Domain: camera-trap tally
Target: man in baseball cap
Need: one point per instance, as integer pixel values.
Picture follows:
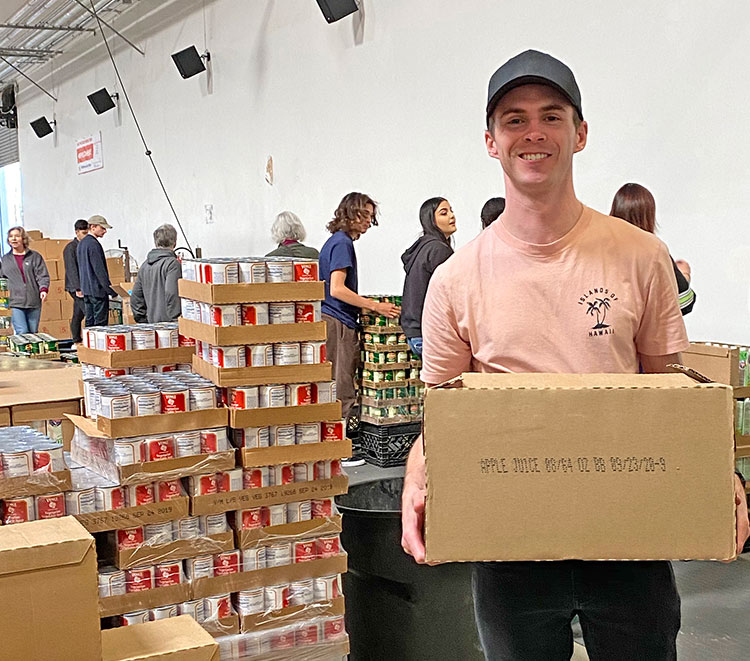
(545, 255)
(94, 277)
(101, 221)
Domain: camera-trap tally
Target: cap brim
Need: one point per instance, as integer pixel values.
(526, 80)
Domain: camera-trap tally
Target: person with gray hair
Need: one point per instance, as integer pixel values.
(288, 231)
(155, 296)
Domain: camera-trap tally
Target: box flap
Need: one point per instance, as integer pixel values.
(40, 544)
(479, 380)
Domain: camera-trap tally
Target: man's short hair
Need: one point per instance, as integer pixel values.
(165, 236)
(81, 224)
(491, 211)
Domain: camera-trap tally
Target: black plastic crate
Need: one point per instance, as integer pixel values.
(387, 445)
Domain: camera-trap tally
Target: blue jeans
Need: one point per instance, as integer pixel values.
(25, 320)
(415, 344)
(627, 610)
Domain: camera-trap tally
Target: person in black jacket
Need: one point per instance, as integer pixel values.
(635, 204)
(420, 261)
(73, 280)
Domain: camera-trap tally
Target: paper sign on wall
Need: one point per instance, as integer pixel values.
(89, 153)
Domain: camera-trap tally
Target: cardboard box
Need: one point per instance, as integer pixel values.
(35, 235)
(54, 248)
(5, 416)
(35, 484)
(52, 268)
(44, 389)
(587, 466)
(257, 376)
(136, 601)
(115, 269)
(46, 566)
(66, 308)
(266, 292)
(51, 311)
(288, 532)
(293, 454)
(720, 363)
(57, 329)
(40, 246)
(162, 423)
(135, 358)
(153, 554)
(287, 493)
(264, 334)
(280, 415)
(138, 515)
(290, 615)
(57, 291)
(174, 639)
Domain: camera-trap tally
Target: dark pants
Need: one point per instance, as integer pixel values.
(97, 310)
(79, 313)
(629, 611)
(342, 349)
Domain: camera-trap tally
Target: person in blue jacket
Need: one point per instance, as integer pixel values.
(92, 269)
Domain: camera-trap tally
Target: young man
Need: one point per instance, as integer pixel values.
(340, 309)
(155, 296)
(73, 280)
(92, 270)
(509, 301)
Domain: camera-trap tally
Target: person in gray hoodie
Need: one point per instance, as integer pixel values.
(155, 296)
(28, 281)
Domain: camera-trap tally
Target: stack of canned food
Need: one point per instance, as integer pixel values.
(263, 355)
(32, 344)
(251, 314)
(24, 451)
(288, 434)
(278, 395)
(367, 318)
(146, 394)
(233, 270)
(132, 338)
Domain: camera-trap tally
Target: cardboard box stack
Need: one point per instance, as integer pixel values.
(390, 390)
(6, 328)
(260, 339)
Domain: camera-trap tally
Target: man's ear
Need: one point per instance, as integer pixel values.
(489, 141)
(582, 133)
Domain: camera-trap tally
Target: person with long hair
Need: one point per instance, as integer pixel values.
(635, 204)
(420, 261)
(28, 281)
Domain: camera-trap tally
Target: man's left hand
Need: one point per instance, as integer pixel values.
(743, 523)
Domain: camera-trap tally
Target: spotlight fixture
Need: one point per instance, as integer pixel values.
(333, 10)
(42, 127)
(102, 101)
(189, 62)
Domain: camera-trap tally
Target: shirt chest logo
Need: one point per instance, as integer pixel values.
(597, 303)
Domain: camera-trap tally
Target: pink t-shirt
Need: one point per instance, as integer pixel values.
(590, 302)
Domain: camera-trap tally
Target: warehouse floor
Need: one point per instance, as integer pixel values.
(715, 599)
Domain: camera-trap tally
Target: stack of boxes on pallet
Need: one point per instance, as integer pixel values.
(259, 338)
(5, 326)
(390, 390)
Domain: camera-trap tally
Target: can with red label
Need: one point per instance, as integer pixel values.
(164, 369)
(274, 515)
(202, 396)
(253, 559)
(333, 431)
(279, 554)
(129, 538)
(327, 547)
(201, 566)
(324, 508)
(248, 519)
(229, 357)
(167, 337)
(307, 432)
(111, 582)
(158, 533)
(189, 527)
(301, 592)
(213, 524)
(118, 340)
(299, 394)
(281, 474)
(304, 550)
(194, 608)
(203, 485)
(307, 312)
(336, 468)
(217, 607)
(252, 437)
(252, 270)
(327, 588)
(323, 470)
(226, 563)
(219, 272)
(281, 313)
(282, 639)
(184, 341)
(110, 498)
(250, 602)
(143, 338)
(282, 435)
(333, 628)
(146, 400)
(286, 353)
(276, 597)
(141, 494)
(272, 396)
(256, 477)
(175, 399)
(255, 314)
(169, 573)
(304, 472)
(48, 460)
(80, 501)
(306, 271)
(324, 392)
(307, 634)
(136, 617)
(299, 511)
(225, 315)
(168, 490)
(214, 440)
(259, 355)
(163, 612)
(159, 448)
(139, 579)
(109, 372)
(243, 397)
(312, 353)
(187, 443)
(50, 506)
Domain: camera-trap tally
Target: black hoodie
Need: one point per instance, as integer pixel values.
(420, 261)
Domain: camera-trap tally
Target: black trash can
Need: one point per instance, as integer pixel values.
(395, 608)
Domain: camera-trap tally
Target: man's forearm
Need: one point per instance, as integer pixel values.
(348, 296)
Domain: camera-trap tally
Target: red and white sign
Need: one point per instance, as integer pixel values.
(89, 153)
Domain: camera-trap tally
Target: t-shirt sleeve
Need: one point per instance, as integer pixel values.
(342, 256)
(445, 354)
(662, 330)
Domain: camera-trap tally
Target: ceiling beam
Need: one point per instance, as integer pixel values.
(61, 28)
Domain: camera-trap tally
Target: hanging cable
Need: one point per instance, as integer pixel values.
(138, 126)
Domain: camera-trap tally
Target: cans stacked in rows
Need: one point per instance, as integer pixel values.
(288, 434)
(148, 394)
(251, 314)
(266, 516)
(263, 355)
(132, 338)
(24, 451)
(299, 593)
(279, 395)
(233, 270)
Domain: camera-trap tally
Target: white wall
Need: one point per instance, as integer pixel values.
(393, 105)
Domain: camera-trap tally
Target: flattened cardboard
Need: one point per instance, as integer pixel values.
(264, 334)
(247, 580)
(26, 386)
(174, 639)
(34, 485)
(288, 532)
(5, 417)
(742, 451)
(265, 292)
(631, 467)
(721, 364)
(45, 565)
(135, 358)
(284, 616)
(284, 415)
(287, 493)
(146, 554)
(160, 424)
(294, 454)
(257, 376)
(139, 515)
(23, 413)
(136, 601)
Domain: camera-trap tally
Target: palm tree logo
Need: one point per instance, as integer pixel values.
(599, 308)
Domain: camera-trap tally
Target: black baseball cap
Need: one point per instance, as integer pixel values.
(531, 67)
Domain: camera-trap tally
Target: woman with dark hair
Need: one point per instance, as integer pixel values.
(420, 261)
(28, 281)
(635, 204)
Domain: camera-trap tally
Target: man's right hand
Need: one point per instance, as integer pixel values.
(79, 293)
(388, 310)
